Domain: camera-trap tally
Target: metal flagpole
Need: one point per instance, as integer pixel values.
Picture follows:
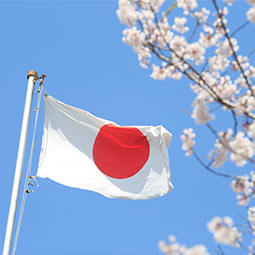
(19, 163)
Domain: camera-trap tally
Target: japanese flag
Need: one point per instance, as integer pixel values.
(83, 151)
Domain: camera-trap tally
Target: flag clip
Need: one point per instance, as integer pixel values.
(34, 179)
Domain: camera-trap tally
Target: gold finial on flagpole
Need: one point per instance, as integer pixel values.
(32, 72)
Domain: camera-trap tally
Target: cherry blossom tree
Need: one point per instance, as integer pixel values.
(199, 45)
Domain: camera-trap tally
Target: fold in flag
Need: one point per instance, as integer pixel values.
(83, 151)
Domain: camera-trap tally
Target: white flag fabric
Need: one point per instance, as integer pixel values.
(83, 151)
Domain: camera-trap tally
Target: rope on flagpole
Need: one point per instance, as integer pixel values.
(28, 176)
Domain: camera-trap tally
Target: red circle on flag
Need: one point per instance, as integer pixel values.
(120, 152)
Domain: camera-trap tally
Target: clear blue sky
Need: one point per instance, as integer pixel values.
(78, 45)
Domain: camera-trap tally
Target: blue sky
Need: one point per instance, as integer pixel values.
(78, 45)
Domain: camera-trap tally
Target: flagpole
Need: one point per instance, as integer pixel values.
(19, 163)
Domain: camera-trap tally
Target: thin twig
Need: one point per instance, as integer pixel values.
(239, 28)
(231, 46)
(252, 51)
(222, 253)
(235, 121)
(212, 171)
(194, 31)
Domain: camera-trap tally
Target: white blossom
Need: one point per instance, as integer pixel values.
(250, 72)
(229, 2)
(173, 248)
(218, 62)
(244, 104)
(225, 48)
(159, 73)
(251, 15)
(173, 73)
(150, 4)
(251, 130)
(178, 45)
(225, 88)
(222, 148)
(241, 184)
(224, 232)
(127, 13)
(187, 5)
(208, 39)
(201, 15)
(195, 52)
(243, 61)
(241, 149)
(188, 142)
(251, 214)
(134, 37)
(179, 25)
(201, 112)
(196, 250)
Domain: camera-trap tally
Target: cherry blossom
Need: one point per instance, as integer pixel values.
(201, 47)
(201, 112)
(159, 73)
(201, 15)
(224, 232)
(251, 15)
(218, 62)
(127, 13)
(241, 149)
(220, 156)
(210, 38)
(179, 25)
(225, 48)
(188, 142)
(196, 250)
(174, 248)
(187, 5)
(196, 52)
